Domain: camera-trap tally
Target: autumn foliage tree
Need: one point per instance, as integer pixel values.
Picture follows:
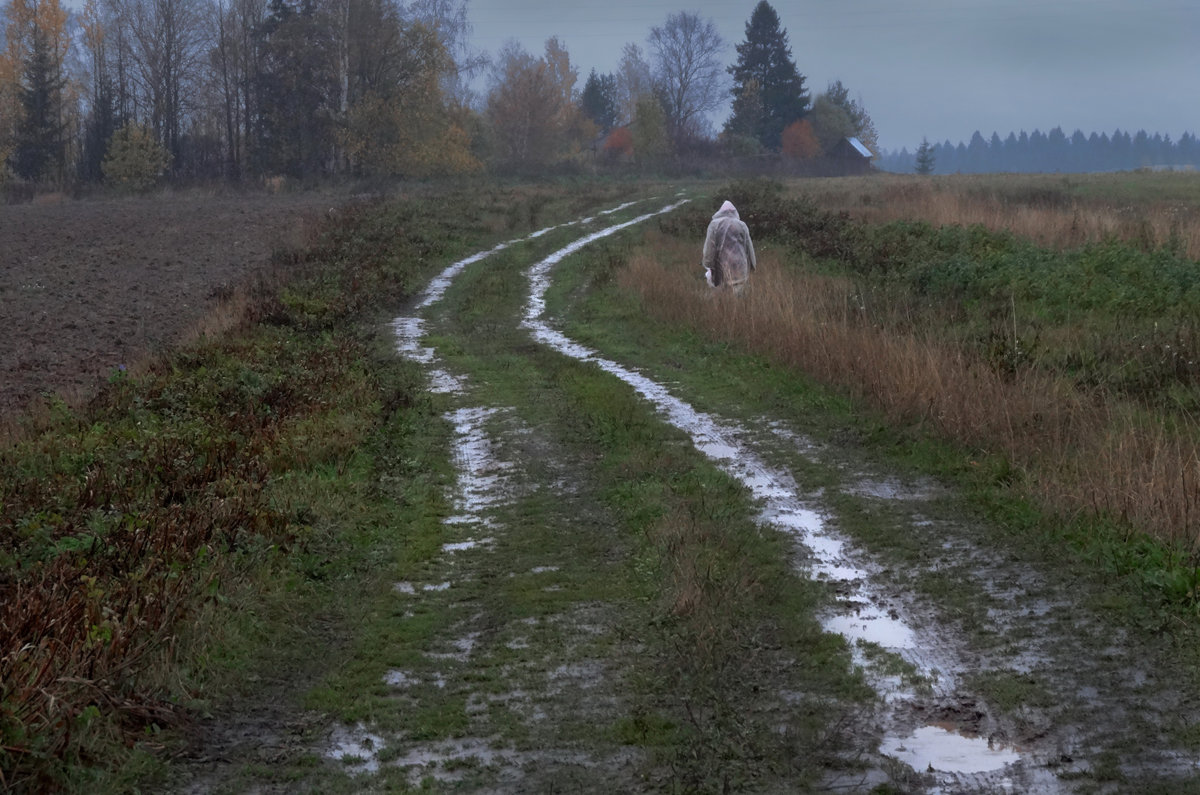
(252, 88)
(531, 105)
(799, 142)
(398, 122)
(651, 137)
(634, 80)
(619, 143)
(135, 159)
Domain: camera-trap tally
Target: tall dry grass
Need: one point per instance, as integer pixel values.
(1053, 210)
(1079, 453)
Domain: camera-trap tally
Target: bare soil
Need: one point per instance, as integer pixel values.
(88, 286)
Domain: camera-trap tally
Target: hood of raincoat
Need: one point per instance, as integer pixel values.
(727, 211)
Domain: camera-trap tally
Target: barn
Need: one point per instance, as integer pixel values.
(850, 156)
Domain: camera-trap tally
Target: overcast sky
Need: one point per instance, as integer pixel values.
(936, 68)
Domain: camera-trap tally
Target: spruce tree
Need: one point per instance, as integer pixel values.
(925, 157)
(766, 58)
(599, 100)
(40, 140)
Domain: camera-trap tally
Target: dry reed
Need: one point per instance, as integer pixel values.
(1079, 454)
(1052, 210)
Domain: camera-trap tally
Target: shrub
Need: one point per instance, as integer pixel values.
(799, 141)
(135, 160)
(619, 144)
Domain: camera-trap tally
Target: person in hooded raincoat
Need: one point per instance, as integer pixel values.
(728, 250)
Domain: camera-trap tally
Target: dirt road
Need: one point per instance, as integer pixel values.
(1009, 680)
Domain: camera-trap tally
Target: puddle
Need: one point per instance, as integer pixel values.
(410, 330)
(783, 509)
(481, 477)
(892, 489)
(398, 678)
(410, 589)
(935, 749)
(872, 624)
(463, 647)
(462, 546)
(356, 747)
(401, 679)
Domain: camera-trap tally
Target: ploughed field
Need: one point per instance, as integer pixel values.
(89, 286)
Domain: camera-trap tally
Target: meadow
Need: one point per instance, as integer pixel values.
(219, 510)
(978, 310)
(1147, 209)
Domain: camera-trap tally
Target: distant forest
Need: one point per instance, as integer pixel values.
(1052, 151)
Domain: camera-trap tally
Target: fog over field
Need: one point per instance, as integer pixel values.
(940, 69)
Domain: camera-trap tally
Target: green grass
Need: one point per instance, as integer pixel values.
(746, 386)
(309, 468)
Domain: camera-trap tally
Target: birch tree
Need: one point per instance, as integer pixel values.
(634, 81)
(686, 53)
(166, 46)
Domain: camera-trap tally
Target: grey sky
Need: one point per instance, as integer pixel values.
(936, 68)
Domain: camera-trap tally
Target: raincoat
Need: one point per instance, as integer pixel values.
(728, 250)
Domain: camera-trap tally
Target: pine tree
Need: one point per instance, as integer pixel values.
(766, 58)
(925, 158)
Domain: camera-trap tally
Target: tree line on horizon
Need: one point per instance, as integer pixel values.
(1054, 151)
(131, 92)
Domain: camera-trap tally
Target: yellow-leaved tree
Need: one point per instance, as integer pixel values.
(135, 159)
(531, 106)
(399, 123)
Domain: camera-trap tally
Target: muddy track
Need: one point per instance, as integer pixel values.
(930, 730)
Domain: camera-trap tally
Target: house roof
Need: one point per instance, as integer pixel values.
(858, 147)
